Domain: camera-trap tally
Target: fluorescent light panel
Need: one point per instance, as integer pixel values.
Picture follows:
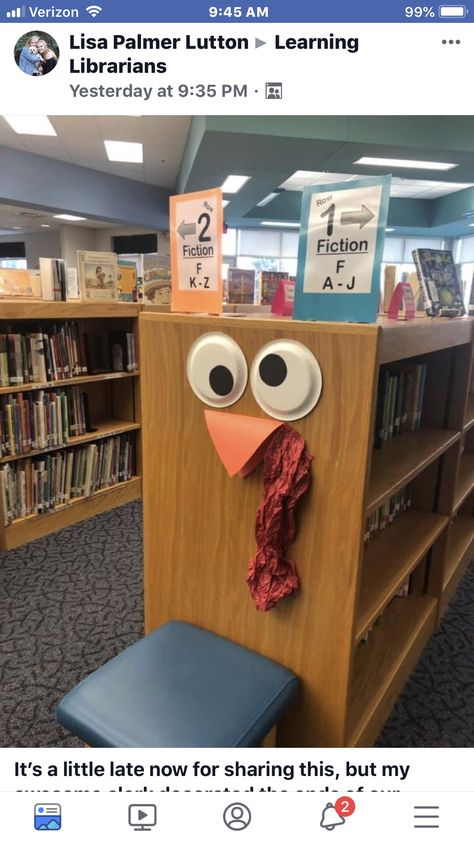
(225, 202)
(124, 152)
(399, 162)
(31, 125)
(234, 183)
(45, 226)
(267, 200)
(69, 217)
(281, 224)
(388, 230)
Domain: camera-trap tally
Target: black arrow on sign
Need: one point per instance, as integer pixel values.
(187, 228)
(360, 217)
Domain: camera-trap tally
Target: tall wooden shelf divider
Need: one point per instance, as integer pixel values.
(113, 401)
(199, 523)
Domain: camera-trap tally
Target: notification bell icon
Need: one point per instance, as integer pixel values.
(331, 817)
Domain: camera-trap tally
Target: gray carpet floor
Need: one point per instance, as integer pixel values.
(73, 600)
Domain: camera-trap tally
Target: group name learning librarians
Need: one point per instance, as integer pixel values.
(85, 64)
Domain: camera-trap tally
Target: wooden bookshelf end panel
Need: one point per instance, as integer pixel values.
(383, 665)
(200, 524)
(390, 558)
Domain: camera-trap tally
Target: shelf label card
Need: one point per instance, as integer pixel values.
(196, 224)
(340, 250)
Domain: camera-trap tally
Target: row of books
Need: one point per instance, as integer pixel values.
(399, 400)
(62, 352)
(388, 512)
(40, 420)
(42, 484)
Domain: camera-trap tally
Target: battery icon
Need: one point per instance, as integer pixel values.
(452, 11)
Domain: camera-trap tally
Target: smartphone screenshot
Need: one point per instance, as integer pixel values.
(236, 420)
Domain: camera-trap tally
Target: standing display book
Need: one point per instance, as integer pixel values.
(439, 281)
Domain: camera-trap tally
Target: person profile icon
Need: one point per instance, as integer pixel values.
(237, 816)
(273, 93)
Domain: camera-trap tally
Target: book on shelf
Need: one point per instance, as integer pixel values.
(127, 280)
(122, 351)
(98, 275)
(411, 278)
(156, 279)
(41, 420)
(73, 292)
(20, 283)
(439, 281)
(241, 286)
(399, 405)
(41, 484)
(390, 277)
(268, 283)
(53, 278)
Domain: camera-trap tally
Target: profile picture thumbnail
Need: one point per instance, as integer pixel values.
(36, 53)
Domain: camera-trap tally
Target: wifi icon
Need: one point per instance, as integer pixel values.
(94, 10)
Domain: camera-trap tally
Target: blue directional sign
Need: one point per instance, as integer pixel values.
(340, 250)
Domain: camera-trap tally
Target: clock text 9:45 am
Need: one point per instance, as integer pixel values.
(238, 11)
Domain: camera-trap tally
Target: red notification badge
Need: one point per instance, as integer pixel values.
(345, 806)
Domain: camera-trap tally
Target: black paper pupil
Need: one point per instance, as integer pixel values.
(273, 370)
(221, 380)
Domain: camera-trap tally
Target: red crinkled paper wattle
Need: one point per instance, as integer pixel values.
(286, 477)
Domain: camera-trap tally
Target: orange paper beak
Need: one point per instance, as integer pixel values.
(239, 439)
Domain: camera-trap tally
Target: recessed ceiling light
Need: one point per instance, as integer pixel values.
(124, 152)
(281, 224)
(234, 183)
(388, 230)
(31, 125)
(471, 225)
(267, 200)
(17, 228)
(225, 202)
(398, 162)
(45, 226)
(69, 217)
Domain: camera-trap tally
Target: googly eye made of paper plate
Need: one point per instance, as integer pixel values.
(217, 369)
(286, 379)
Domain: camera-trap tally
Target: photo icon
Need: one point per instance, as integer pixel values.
(47, 817)
(36, 53)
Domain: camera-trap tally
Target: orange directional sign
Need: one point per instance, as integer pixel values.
(196, 224)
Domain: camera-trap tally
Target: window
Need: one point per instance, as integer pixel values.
(13, 263)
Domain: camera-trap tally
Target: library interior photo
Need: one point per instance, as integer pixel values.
(236, 431)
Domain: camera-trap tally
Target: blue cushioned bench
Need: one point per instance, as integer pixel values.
(180, 686)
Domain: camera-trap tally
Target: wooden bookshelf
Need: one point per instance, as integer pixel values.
(114, 405)
(347, 633)
(390, 558)
(465, 479)
(24, 530)
(469, 417)
(382, 666)
(70, 381)
(102, 429)
(403, 458)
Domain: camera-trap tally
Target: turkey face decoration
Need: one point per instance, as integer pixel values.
(286, 383)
